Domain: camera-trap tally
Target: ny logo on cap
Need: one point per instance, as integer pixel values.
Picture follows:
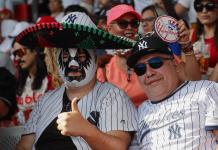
(142, 45)
(71, 18)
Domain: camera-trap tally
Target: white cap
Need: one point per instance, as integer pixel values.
(20, 26)
(6, 45)
(7, 27)
(78, 18)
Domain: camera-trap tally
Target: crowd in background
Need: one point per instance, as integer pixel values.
(27, 74)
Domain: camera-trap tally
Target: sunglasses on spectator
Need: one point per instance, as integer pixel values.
(209, 6)
(19, 52)
(123, 24)
(155, 63)
(149, 19)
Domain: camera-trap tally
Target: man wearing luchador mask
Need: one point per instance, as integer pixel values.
(83, 113)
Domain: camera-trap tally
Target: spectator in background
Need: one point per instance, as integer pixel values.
(149, 16)
(122, 20)
(7, 96)
(56, 9)
(206, 36)
(33, 80)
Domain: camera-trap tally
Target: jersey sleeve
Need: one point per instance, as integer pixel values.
(31, 124)
(211, 122)
(117, 112)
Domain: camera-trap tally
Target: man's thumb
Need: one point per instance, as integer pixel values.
(74, 106)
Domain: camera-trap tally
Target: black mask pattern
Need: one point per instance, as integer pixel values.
(82, 61)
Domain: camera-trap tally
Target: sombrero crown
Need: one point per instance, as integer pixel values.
(76, 31)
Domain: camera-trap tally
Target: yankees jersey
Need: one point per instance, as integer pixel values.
(182, 121)
(114, 110)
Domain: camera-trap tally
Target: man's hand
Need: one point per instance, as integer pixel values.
(72, 123)
(184, 33)
(184, 38)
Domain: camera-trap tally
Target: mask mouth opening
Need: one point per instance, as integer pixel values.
(75, 73)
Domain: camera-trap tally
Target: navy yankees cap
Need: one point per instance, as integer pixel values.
(148, 44)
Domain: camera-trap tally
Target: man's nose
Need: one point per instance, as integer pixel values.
(149, 71)
(73, 63)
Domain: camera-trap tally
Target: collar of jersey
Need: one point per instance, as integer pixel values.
(180, 87)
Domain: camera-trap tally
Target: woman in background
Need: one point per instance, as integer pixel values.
(205, 37)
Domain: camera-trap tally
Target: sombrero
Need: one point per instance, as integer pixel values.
(76, 31)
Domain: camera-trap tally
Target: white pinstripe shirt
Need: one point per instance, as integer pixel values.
(116, 111)
(181, 121)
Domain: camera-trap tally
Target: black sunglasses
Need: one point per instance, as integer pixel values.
(123, 24)
(155, 63)
(209, 6)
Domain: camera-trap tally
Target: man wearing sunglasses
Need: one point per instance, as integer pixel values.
(178, 114)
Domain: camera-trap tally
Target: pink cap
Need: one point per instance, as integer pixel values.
(119, 10)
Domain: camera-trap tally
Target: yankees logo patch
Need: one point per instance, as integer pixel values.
(71, 18)
(166, 29)
(175, 131)
(142, 45)
(94, 118)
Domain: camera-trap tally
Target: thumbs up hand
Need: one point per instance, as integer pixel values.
(72, 123)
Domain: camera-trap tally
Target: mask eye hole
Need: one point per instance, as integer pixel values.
(65, 56)
(82, 57)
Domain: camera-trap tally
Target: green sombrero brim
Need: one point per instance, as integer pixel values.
(71, 36)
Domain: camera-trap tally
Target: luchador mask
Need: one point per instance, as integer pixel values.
(77, 67)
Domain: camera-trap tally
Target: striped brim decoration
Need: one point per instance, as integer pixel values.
(68, 35)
